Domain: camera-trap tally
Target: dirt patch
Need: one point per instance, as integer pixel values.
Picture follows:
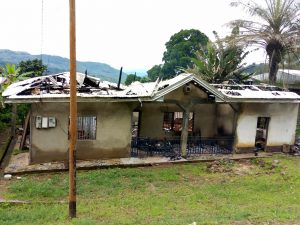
(221, 166)
(244, 166)
(240, 167)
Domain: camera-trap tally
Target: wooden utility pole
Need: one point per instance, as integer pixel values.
(73, 113)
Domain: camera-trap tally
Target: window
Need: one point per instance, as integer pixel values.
(86, 127)
(262, 122)
(173, 121)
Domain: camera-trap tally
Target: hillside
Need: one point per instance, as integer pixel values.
(58, 64)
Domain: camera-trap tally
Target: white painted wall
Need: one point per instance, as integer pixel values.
(282, 125)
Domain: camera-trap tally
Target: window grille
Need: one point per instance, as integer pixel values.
(173, 121)
(86, 127)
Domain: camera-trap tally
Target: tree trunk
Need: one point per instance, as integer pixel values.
(274, 60)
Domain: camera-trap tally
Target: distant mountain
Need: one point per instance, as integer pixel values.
(58, 64)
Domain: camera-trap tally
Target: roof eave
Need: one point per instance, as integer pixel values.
(79, 99)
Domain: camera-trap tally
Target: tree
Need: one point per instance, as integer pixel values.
(220, 61)
(35, 66)
(180, 48)
(131, 78)
(145, 79)
(12, 74)
(154, 72)
(277, 30)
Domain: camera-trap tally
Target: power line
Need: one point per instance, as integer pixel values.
(42, 28)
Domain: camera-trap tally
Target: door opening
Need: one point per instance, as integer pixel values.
(262, 132)
(135, 124)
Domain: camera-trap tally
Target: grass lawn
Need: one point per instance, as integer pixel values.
(246, 192)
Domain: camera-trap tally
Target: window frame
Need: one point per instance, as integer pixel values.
(169, 121)
(85, 128)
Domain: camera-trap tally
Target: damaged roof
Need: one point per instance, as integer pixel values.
(254, 93)
(56, 87)
(2, 80)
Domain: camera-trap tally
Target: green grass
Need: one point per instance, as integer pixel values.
(178, 194)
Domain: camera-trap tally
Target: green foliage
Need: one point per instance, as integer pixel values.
(145, 79)
(131, 78)
(12, 74)
(180, 48)
(154, 72)
(22, 110)
(220, 61)
(277, 29)
(35, 67)
(5, 117)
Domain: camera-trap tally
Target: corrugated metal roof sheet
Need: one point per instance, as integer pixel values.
(56, 86)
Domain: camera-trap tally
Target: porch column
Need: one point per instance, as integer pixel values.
(184, 132)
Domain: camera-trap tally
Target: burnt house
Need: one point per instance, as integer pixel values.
(183, 115)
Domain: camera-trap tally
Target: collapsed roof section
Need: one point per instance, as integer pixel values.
(2, 80)
(56, 87)
(59, 84)
(255, 92)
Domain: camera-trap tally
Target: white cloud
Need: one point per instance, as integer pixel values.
(129, 33)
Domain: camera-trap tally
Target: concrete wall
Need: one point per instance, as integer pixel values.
(282, 125)
(179, 95)
(113, 136)
(225, 120)
(205, 120)
(152, 115)
(208, 118)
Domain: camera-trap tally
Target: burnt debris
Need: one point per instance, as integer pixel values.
(59, 84)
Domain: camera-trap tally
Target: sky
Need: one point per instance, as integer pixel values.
(128, 33)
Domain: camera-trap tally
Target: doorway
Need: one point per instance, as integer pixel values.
(135, 123)
(262, 132)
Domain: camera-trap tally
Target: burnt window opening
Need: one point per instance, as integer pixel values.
(173, 121)
(262, 122)
(86, 127)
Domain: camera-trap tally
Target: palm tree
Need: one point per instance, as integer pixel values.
(220, 61)
(12, 74)
(277, 29)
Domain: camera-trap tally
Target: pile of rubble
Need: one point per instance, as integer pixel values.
(60, 84)
(220, 166)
